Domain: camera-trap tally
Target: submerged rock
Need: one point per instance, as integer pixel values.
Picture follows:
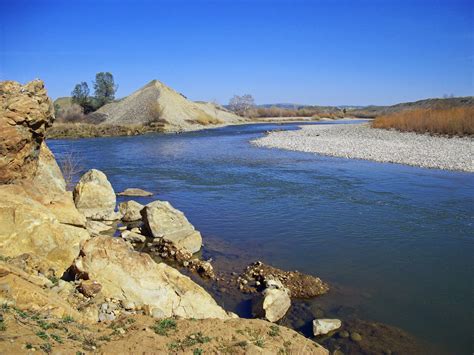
(131, 211)
(94, 196)
(164, 221)
(325, 325)
(134, 278)
(135, 192)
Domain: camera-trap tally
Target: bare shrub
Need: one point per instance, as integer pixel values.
(71, 167)
(452, 121)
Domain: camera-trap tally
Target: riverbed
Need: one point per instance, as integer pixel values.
(398, 237)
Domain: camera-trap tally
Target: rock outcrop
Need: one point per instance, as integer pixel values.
(37, 215)
(94, 196)
(25, 113)
(27, 292)
(134, 278)
(164, 221)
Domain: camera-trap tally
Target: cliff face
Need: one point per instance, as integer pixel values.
(25, 114)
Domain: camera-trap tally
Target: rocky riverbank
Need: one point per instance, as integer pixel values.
(71, 279)
(359, 141)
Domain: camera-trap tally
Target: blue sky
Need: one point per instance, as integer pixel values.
(309, 52)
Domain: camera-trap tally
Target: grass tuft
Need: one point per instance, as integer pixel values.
(163, 326)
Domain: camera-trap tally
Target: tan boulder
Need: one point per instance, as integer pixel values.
(134, 278)
(25, 113)
(164, 221)
(48, 174)
(274, 303)
(27, 226)
(94, 195)
(131, 211)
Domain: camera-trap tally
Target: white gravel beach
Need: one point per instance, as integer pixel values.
(359, 141)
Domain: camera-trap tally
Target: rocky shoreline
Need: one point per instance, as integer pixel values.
(359, 141)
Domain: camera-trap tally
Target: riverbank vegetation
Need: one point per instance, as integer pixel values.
(457, 121)
(85, 130)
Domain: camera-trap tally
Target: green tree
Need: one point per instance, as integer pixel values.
(80, 96)
(105, 88)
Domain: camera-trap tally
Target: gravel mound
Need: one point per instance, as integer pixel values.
(359, 141)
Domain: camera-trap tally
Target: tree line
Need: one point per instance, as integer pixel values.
(104, 92)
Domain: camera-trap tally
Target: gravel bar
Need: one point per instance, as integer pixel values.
(359, 141)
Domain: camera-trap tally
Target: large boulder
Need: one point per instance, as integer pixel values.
(94, 195)
(130, 211)
(134, 278)
(274, 303)
(28, 226)
(25, 113)
(164, 221)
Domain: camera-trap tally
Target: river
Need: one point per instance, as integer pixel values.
(399, 237)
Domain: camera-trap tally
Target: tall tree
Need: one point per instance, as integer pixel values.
(105, 88)
(80, 96)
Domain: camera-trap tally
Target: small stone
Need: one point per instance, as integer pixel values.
(89, 288)
(324, 326)
(343, 334)
(122, 228)
(356, 336)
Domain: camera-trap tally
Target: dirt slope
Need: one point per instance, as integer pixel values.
(178, 113)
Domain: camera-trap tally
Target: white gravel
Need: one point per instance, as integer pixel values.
(359, 141)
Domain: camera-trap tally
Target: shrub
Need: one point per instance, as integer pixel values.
(452, 121)
(73, 113)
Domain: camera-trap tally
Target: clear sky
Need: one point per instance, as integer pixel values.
(308, 52)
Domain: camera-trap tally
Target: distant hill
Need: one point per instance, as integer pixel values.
(373, 111)
(176, 112)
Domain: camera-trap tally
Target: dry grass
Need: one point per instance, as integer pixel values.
(204, 119)
(458, 121)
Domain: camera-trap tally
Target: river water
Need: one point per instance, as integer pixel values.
(399, 237)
